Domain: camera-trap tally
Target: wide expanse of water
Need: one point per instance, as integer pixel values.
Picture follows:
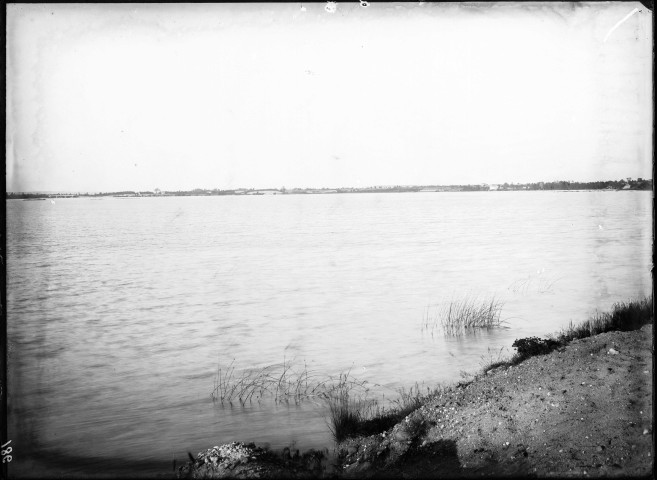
(120, 311)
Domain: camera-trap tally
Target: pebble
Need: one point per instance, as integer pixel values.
(612, 352)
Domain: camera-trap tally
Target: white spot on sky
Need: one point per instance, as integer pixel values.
(620, 22)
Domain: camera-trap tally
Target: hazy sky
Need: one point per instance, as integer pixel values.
(119, 97)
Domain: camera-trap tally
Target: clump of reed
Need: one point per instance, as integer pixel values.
(351, 415)
(624, 316)
(463, 315)
(345, 413)
(245, 387)
(282, 383)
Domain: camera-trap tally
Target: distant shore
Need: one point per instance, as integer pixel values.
(628, 184)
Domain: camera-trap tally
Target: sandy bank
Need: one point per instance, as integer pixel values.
(582, 410)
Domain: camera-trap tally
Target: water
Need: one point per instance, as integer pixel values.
(121, 310)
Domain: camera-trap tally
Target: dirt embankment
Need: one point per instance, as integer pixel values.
(582, 410)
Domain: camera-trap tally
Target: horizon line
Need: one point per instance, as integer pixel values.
(333, 188)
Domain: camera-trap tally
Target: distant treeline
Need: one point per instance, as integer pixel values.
(626, 184)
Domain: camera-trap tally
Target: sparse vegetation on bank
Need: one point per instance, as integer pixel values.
(624, 316)
(584, 410)
(351, 417)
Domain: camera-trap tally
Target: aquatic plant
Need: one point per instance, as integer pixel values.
(461, 315)
(248, 385)
(345, 414)
(282, 383)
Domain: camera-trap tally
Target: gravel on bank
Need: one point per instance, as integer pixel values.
(583, 410)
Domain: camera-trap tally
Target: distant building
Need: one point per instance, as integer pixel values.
(158, 191)
(494, 187)
(263, 192)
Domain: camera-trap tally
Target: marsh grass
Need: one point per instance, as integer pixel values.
(351, 415)
(345, 413)
(463, 315)
(624, 316)
(283, 383)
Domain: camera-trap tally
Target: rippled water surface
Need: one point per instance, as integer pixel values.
(120, 311)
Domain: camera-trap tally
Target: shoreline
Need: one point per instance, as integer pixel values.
(584, 409)
(581, 410)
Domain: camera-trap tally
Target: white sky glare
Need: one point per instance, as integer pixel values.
(111, 97)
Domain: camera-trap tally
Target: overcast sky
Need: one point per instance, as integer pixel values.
(132, 97)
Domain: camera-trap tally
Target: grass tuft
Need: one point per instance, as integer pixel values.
(345, 415)
(624, 316)
(493, 360)
(463, 315)
(350, 416)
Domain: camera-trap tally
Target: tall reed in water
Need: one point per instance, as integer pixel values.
(464, 314)
(282, 383)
